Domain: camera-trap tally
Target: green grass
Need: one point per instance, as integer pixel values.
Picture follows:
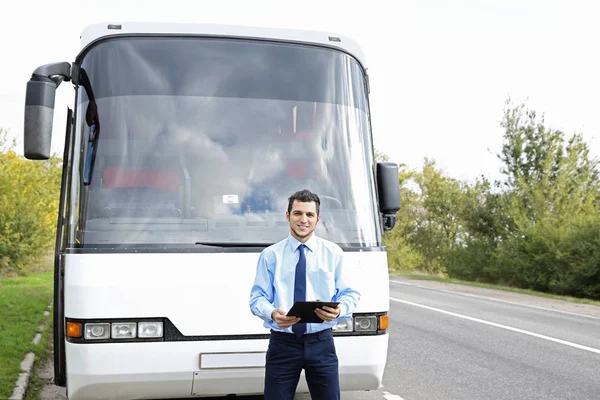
(23, 301)
(496, 287)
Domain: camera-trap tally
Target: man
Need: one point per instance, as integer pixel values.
(302, 267)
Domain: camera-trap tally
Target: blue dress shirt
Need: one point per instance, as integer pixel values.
(325, 280)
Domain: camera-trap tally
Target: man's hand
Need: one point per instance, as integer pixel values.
(328, 313)
(282, 320)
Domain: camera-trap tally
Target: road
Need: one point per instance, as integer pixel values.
(456, 342)
(482, 344)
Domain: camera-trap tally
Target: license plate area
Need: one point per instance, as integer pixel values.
(254, 359)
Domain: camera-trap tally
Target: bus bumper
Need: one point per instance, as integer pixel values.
(163, 370)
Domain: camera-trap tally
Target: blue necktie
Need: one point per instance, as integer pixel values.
(300, 288)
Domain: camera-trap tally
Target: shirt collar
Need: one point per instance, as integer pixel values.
(310, 243)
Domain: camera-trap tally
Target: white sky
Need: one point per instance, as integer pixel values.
(440, 70)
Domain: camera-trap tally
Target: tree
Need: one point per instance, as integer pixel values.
(428, 223)
(380, 156)
(552, 191)
(549, 176)
(29, 193)
(402, 254)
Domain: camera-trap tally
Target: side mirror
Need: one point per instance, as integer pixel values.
(39, 113)
(39, 108)
(388, 187)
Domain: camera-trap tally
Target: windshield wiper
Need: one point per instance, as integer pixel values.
(233, 244)
(92, 120)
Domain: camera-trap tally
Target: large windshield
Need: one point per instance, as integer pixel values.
(203, 140)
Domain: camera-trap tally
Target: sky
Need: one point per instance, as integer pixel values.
(441, 71)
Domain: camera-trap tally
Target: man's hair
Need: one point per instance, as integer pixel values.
(304, 196)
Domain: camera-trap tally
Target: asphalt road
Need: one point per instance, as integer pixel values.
(455, 342)
(486, 345)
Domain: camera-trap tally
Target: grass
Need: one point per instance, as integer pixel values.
(437, 278)
(23, 301)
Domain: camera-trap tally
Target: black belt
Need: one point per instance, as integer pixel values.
(307, 336)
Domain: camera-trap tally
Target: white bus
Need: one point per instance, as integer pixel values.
(183, 145)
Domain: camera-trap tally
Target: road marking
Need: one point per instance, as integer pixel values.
(509, 328)
(497, 300)
(389, 396)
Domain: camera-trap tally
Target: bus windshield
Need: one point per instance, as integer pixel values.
(203, 140)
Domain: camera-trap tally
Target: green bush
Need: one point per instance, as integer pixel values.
(29, 193)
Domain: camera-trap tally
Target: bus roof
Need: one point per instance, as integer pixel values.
(102, 30)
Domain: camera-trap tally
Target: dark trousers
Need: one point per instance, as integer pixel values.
(288, 355)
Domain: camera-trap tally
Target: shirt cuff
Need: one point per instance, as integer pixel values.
(268, 313)
(343, 310)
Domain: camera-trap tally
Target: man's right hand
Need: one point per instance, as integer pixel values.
(282, 320)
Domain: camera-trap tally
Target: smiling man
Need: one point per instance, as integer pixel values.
(302, 267)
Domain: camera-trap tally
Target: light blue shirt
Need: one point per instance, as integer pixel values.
(325, 280)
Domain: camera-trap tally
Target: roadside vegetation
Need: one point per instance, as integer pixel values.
(537, 229)
(23, 301)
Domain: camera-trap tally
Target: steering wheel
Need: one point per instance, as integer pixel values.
(332, 199)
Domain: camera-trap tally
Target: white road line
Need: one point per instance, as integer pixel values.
(509, 328)
(389, 396)
(497, 300)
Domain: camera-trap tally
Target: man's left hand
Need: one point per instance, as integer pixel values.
(328, 313)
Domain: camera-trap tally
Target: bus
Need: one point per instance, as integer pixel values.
(182, 146)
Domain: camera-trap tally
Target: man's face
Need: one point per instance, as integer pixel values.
(303, 219)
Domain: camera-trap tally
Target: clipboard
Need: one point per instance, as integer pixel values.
(306, 310)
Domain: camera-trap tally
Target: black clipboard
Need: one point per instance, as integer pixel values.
(306, 310)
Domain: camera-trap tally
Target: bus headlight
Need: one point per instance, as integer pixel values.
(97, 331)
(106, 331)
(150, 329)
(343, 326)
(365, 324)
(124, 330)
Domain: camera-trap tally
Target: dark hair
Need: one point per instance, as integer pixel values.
(304, 196)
